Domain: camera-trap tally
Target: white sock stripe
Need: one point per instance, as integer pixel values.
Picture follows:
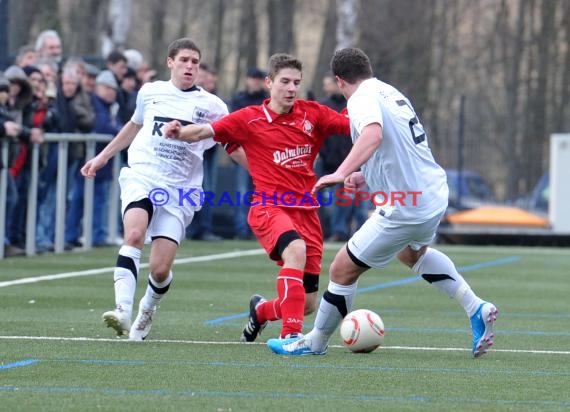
(162, 284)
(342, 290)
(286, 291)
(130, 251)
(290, 278)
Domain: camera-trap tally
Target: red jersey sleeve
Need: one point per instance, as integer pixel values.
(231, 129)
(334, 122)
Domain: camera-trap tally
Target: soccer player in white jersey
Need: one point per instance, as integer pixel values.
(152, 205)
(391, 149)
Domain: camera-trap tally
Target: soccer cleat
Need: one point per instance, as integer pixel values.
(482, 326)
(118, 319)
(141, 326)
(294, 345)
(253, 327)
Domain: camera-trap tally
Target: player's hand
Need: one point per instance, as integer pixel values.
(90, 168)
(36, 135)
(172, 129)
(355, 181)
(327, 180)
(12, 129)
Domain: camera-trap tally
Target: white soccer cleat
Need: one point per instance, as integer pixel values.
(142, 324)
(118, 319)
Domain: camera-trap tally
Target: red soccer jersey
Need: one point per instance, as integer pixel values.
(281, 149)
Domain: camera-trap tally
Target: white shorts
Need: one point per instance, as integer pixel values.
(169, 219)
(379, 239)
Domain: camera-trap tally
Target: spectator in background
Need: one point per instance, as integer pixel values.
(27, 56)
(21, 95)
(202, 227)
(338, 218)
(49, 70)
(116, 63)
(9, 129)
(43, 114)
(88, 80)
(254, 93)
(48, 46)
(106, 122)
(129, 88)
(137, 62)
(76, 115)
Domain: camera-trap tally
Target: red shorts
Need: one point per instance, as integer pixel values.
(269, 222)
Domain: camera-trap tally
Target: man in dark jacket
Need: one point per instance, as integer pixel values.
(106, 122)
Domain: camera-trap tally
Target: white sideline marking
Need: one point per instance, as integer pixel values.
(199, 342)
(90, 272)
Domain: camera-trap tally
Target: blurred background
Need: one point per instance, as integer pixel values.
(509, 59)
(489, 78)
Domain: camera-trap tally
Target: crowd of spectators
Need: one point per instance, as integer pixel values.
(43, 92)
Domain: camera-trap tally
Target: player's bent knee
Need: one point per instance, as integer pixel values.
(159, 271)
(134, 237)
(343, 270)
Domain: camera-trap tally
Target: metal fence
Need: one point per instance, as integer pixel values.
(63, 140)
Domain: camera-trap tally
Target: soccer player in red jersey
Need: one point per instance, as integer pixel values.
(281, 139)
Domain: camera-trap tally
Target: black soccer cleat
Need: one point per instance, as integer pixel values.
(253, 327)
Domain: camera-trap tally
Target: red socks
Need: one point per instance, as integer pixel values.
(290, 304)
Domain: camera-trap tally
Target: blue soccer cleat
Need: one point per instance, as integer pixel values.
(482, 326)
(296, 345)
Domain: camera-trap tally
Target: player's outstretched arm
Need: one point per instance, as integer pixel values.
(123, 140)
(368, 142)
(188, 133)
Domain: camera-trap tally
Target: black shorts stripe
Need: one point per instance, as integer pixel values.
(356, 261)
(310, 282)
(144, 204)
(283, 242)
(164, 237)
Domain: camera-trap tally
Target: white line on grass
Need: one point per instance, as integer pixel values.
(91, 272)
(199, 342)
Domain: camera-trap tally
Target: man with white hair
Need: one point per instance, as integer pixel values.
(48, 45)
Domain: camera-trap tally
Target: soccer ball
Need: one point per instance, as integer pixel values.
(362, 331)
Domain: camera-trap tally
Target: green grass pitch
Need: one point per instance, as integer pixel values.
(55, 354)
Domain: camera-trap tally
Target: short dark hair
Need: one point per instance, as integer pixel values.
(280, 61)
(208, 69)
(115, 56)
(183, 43)
(351, 65)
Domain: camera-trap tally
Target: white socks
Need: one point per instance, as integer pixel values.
(334, 306)
(155, 291)
(125, 276)
(438, 269)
